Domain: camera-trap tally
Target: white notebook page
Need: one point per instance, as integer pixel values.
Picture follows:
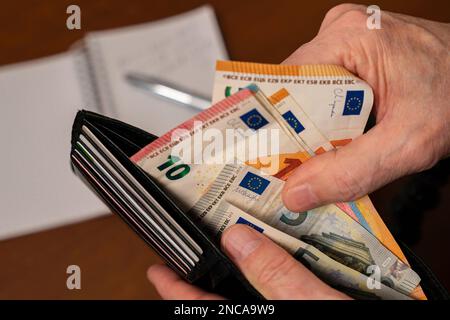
(38, 190)
(181, 49)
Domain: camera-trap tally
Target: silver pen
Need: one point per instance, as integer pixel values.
(169, 91)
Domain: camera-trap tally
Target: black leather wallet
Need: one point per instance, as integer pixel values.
(184, 246)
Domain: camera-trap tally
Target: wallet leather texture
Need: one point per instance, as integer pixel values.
(214, 271)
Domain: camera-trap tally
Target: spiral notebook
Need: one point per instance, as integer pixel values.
(41, 97)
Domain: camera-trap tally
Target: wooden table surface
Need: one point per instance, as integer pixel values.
(113, 259)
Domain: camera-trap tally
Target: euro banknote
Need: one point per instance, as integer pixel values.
(327, 228)
(337, 102)
(223, 215)
(299, 123)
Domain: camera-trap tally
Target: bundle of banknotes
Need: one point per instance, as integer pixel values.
(229, 163)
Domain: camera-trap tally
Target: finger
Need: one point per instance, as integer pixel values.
(316, 52)
(321, 50)
(337, 12)
(346, 174)
(170, 286)
(339, 41)
(270, 269)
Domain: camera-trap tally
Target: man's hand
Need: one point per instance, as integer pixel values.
(269, 268)
(407, 64)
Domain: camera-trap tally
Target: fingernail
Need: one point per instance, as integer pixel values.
(240, 242)
(302, 197)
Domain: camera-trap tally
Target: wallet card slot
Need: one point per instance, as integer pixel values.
(132, 207)
(111, 199)
(142, 193)
(134, 216)
(125, 144)
(149, 214)
(137, 136)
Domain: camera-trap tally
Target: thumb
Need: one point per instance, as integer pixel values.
(270, 269)
(345, 174)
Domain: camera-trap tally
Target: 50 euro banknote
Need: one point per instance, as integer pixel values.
(338, 102)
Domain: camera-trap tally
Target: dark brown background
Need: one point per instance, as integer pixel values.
(112, 259)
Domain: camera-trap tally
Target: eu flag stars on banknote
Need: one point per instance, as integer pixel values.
(353, 102)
